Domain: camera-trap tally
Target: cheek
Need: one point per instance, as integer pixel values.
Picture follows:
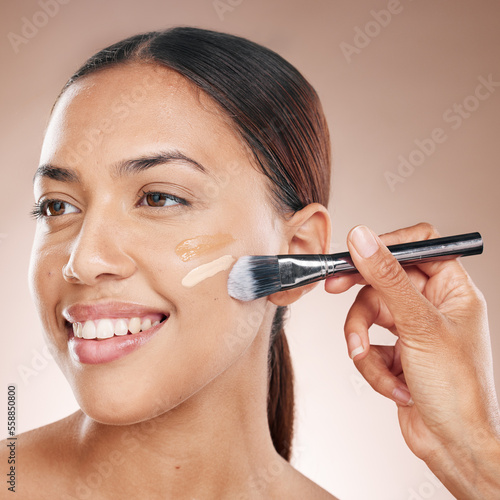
(47, 286)
(204, 311)
(45, 274)
(198, 246)
(207, 328)
(211, 315)
(210, 333)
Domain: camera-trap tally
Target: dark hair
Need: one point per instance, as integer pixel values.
(279, 116)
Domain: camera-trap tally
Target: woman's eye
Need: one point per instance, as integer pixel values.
(153, 199)
(52, 208)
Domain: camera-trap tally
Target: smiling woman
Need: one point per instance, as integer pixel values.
(168, 156)
(220, 149)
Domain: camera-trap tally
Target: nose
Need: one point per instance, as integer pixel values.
(98, 255)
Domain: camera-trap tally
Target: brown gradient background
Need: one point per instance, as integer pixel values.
(393, 92)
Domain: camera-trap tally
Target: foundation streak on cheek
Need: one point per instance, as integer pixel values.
(194, 247)
(200, 273)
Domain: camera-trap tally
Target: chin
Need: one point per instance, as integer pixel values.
(121, 406)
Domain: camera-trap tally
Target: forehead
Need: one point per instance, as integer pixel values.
(123, 110)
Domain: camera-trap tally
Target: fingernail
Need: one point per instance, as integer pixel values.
(402, 396)
(354, 345)
(364, 242)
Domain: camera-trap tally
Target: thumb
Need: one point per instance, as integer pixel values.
(384, 273)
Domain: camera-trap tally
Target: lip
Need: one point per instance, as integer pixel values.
(97, 351)
(85, 311)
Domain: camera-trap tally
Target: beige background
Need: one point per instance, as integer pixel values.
(395, 90)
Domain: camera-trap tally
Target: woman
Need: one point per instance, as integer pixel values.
(167, 156)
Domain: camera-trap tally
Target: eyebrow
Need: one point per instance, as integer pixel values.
(124, 167)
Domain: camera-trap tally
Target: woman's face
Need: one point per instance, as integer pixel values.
(143, 179)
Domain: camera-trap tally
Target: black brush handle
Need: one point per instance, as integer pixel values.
(416, 252)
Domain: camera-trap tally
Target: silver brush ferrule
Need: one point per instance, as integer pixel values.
(298, 270)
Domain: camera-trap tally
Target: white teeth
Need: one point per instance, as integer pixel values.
(121, 327)
(89, 331)
(134, 325)
(146, 324)
(104, 329)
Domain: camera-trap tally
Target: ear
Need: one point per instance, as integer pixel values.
(308, 231)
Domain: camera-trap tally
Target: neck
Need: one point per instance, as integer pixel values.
(216, 444)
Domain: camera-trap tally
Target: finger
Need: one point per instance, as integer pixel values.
(340, 284)
(376, 369)
(384, 273)
(419, 232)
(366, 310)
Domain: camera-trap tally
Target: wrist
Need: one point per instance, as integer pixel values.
(470, 469)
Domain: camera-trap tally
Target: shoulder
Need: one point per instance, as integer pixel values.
(35, 455)
(294, 485)
(50, 441)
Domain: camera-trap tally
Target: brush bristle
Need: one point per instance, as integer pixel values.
(254, 276)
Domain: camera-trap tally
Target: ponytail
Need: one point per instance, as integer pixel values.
(280, 398)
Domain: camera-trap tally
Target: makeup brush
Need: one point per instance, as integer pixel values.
(255, 276)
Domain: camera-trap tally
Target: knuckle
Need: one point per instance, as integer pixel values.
(476, 300)
(372, 372)
(480, 298)
(388, 271)
(420, 231)
(364, 293)
(469, 293)
(378, 382)
(361, 303)
(428, 229)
